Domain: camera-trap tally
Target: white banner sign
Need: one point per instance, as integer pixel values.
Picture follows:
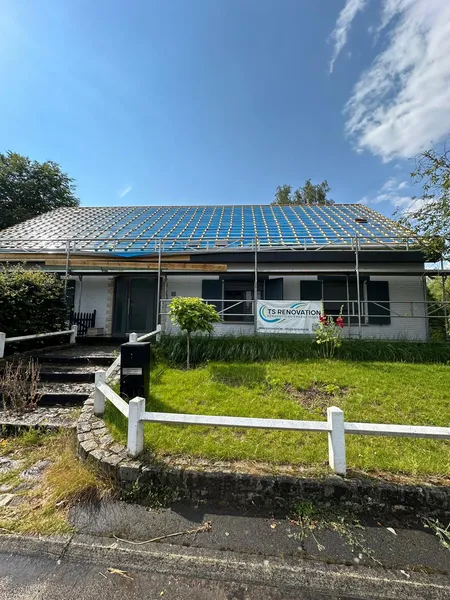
(287, 316)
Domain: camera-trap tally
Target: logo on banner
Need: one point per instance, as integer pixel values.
(267, 314)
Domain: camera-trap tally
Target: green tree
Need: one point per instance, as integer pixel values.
(308, 195)
(29, 188)
(192, 315)
(429, 216)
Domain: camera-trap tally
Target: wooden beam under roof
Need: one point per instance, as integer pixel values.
(150, 266)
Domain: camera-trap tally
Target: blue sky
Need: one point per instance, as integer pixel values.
(219, 101)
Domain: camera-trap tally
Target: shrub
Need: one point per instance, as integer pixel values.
(19, 386)
(31, 301)
(193, 315)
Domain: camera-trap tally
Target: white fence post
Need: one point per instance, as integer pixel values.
(2, 344)
(136, 409)
(74, 333)
(133, 337)
(99, 398)
(336, 440)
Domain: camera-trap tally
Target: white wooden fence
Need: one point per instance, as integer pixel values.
(334, 426)
(4, 340)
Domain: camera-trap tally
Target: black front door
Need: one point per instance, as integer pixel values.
(135, 305)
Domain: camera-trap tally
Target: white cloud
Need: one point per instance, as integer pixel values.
(343, 24)
(401, 104)
(391, 184)
(123, 192)
(389, 193)
(408, 205)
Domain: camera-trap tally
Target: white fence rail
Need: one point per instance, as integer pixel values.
(334, 426)
(133, 337)
(36, 336)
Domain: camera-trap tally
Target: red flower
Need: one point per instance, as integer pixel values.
(340, 322)
(323, 319)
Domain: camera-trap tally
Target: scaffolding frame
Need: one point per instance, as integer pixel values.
(159, 248)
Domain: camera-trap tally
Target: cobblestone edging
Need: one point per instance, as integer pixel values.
(241, 490)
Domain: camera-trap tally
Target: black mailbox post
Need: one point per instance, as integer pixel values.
(135, 370)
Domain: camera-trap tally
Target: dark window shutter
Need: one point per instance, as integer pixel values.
(378, 306)
(274, 289)
(311, 290)
(212, 290)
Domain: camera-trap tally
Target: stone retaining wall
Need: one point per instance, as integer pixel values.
(240, 490)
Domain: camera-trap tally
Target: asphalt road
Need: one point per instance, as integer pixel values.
(236, 557)
(40, 577)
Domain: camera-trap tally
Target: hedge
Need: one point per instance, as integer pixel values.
(31, 301)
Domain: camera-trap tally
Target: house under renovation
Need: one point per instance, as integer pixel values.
(265, 268)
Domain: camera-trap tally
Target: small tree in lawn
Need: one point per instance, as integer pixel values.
(192, 315)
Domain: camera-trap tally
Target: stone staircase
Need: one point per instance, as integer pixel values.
(67, 373)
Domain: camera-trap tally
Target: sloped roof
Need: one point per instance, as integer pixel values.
(136, 229)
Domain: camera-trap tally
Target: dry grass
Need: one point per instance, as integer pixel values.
(64, 482)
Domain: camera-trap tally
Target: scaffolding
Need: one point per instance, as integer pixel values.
(156, 252)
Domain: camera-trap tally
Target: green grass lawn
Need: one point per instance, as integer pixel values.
(377, 392)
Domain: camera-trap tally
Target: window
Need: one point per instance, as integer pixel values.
(234, 295)
(378, 307)
(332, 291)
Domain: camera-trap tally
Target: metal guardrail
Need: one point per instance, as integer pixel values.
(149, 245)
(334, 426)
(21, 338)
(413, 309)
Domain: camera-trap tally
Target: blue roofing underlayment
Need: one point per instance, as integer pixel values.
(136, 230)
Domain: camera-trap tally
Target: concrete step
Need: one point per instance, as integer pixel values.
(62, 399)
(67, 375)
(64, 393)
(70, 361)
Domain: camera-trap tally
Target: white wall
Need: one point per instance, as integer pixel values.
(406, 297)
(94, 296)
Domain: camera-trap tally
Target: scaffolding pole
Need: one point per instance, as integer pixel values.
(425, 299)
(444, 297)
(348, 305)
(80, 278)
(358, 291)
(255, 288)
(158, 286)
(67, 264)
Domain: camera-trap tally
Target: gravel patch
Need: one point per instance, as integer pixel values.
(43, 416)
